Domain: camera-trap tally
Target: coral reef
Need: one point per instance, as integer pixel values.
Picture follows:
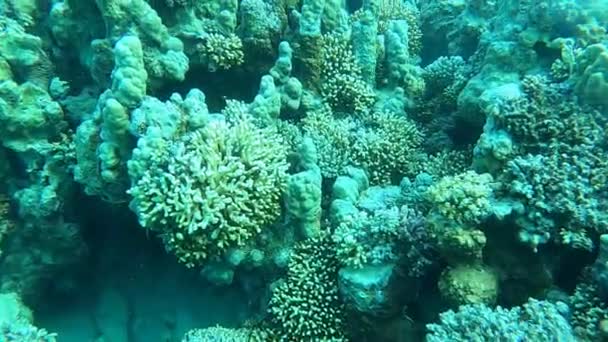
(371, 170)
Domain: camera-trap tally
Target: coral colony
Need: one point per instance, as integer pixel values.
(303, 170)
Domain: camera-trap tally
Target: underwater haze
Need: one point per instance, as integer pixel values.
(303, 170)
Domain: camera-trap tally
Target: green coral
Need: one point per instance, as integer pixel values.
(555, 141)
(212, 189)
(534, 321)
(383, 143)
(463, 199)
(221, 52)
(221, 334)
(342, 84)
(306, 306)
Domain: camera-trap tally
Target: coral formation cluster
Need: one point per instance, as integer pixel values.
(377, 170)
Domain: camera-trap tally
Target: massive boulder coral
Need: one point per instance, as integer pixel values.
(592, 85)
(103, 142)
(22, 55)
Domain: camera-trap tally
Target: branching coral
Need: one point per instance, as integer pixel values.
(221, 52)
(464, 199)
(305, 306)
(341, 84)
(16, 322)
(213, 189)
(535, 321)
(558, 171)
(377, 237)
(386, 146)
(6, 224)
(221, 334)
(333, 139)
(383, 143)
(444, 80)
(588, 311)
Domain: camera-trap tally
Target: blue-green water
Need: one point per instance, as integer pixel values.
(303, 170)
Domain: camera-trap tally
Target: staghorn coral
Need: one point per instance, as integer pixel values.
(305, 306)
(212, 189)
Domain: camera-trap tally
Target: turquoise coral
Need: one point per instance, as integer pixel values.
(306, 305)
(535, 320)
